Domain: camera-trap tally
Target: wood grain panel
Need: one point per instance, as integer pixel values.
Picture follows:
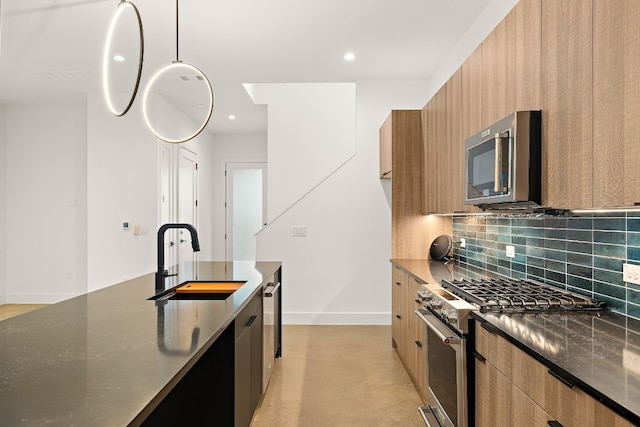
(453, 165)
(493, 396)
(567, 103)
(435, 150)
(497, 73)
(527, 52)
(386, 138)
(472, 120)
(411, 231)
(525, 412)
(616, 102)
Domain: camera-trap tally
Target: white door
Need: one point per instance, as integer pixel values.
(245, 212)
(187, 202)
(167, 199)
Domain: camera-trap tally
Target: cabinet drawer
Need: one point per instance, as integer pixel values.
(529, 375)
(525, 412)
(494, 348)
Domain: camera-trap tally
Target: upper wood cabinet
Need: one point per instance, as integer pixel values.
(567, 103)
(435, 152)
(386, 138)
(616, 102)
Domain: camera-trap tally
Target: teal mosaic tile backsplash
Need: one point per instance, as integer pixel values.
(580, 253)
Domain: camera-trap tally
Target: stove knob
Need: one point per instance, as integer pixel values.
(452, 317)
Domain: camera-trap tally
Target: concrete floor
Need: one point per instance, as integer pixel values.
(338, 376)
(10, 310)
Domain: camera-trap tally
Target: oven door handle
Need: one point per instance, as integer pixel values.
(444, 333)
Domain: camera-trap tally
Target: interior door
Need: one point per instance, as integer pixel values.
(245, 212)
(187, 202)
(167, 199)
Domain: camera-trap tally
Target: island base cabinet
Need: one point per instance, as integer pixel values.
(248, 361)
(202, 396)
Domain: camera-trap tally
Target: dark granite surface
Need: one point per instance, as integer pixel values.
(597, 351)
(99, 359)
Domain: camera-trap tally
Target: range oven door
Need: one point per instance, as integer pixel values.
(447, 379)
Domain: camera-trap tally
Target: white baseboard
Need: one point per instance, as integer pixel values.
(3, 299)
(36, 298)
(335, 318)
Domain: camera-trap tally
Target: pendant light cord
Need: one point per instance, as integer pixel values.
(177, 34)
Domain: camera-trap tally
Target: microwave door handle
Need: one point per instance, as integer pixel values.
(498, 166)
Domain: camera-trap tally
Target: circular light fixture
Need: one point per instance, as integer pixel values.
(127, 21)
(232, 117)
(178, 81)
(349, 56)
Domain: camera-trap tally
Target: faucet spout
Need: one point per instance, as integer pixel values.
(195, 245)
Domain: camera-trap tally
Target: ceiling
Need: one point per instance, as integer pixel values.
(51, 50)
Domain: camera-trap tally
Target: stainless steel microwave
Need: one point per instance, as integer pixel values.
(504, 163)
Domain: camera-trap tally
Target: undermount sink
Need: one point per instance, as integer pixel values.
(200, 290)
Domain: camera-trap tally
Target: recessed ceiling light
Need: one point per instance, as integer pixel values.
(232, 117)
(118, 58)
(349, 56)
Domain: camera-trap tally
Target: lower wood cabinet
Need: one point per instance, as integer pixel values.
(407, 331)
(514, 389)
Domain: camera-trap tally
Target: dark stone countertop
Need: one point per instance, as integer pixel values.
(596, 351)
(101, 358)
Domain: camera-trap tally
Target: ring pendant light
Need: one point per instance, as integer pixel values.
(178, 73)
(114, 64)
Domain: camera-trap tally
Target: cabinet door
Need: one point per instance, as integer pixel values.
(567, 103)
(435, 153)
(243, 411)
(453, 166)
(493, 396)
(385, 148)
(399, 316)
(616, 103)
(418, 356)
(256, 359)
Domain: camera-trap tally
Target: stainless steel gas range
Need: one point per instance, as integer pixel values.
(446, 311)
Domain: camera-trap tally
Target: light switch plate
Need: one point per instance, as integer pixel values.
(631, 273)
(463, 242)
(299, 231)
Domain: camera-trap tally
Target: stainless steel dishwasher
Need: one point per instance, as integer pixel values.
(271, 329)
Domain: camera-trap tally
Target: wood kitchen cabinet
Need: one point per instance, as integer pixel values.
(616, 102)
(567, 103)
(386, 138)
(514, 389)
(436, 152)
(407, 331)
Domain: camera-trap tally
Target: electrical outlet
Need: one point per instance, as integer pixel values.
(463, 242)
(631, 273)
(511, 251)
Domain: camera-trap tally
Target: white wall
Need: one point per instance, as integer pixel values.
(3, 298)
(228, 148)
(45, 256)
(123, 185)
(311, 134)
(340, 272)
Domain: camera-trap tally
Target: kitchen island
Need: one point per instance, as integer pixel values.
(112, 357)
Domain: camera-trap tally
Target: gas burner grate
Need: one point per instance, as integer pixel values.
(519, 294)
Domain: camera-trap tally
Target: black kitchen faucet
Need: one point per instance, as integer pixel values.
(195, 244)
